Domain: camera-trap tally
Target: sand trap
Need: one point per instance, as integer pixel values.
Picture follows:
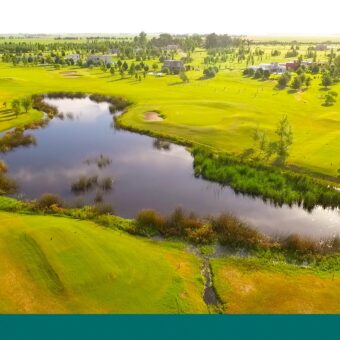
(70, 74)
(152, 116)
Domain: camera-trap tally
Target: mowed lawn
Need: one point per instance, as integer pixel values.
(221, 112)
(251, 286)
(59, 265)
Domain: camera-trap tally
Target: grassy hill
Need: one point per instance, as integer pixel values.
(58, 265)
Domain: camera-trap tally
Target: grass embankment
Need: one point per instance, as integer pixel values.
(278, 185)
(220, 113)
(250, 285)
(55, 264)
(59, 265)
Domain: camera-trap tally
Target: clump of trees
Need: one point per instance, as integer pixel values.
(183, 76)
(283, 80)
(280, 147)
(210, 72)
(25, 103)
(330, 98)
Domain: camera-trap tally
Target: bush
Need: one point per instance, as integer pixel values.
(199, 233)
(249, 72)
(210, 72)
(235, 233)
(301, 245)
(7, 185)
(46, 201)
(15, 138)
(102, 208)
(149, 220)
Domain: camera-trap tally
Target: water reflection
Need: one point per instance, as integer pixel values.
(147, 173)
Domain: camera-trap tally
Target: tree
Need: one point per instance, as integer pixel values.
(330, 98)
(285, 134)
(155, 67)
(283, 80)
(260, 140)
(184, 77)
(16, 106)
(125, 66)
(326, 80)
(296, 83)
(112, 71)
(27, 103)
(266, 74)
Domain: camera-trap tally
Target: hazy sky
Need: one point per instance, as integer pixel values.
(174, 16)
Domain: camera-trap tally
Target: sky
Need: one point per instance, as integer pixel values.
(251, 17)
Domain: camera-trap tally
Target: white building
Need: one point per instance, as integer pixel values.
(172, 47)
(75, 57)
(272, 67)
(98, 59)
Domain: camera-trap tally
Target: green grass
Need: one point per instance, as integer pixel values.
(220, 112)
(59, 265)
(250, 285)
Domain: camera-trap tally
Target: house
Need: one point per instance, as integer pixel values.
(306, 63)
(175, 66)
(272, 68)
(98, 59)
(75, 57)
(113, 50)
(172, 47)
(321, 47)
(292, 65)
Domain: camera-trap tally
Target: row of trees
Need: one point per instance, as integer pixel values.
(280, 147)
(25, 103)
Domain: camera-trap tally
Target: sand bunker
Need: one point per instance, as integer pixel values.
(152, 116)
(70, 74)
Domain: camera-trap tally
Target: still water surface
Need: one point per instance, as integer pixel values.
(145, 176)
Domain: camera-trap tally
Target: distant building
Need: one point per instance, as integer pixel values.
(98, 59)
(75, 57)
(175, 66)
(292, 65)
(172, 47)
(272, 67)
(113, 50)
(321, 47)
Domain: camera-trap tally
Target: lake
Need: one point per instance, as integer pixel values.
(146, 173)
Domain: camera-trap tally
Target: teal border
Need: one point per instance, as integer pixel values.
(164, 327)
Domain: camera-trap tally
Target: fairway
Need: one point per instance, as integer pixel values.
(59, 265)
(260, 287)
(221, 113)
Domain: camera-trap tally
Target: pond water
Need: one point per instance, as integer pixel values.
(146, 175)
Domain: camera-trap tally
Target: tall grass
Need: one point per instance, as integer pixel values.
(15, 138)
(277, 185)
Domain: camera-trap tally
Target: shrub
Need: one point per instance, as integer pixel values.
(301, 245)
(147, 220)
(235, 233)
(15, 138)
(102, 209)
(174, 223)
(47, 200)
(199, 233)
(7, 185)
(210, 72)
